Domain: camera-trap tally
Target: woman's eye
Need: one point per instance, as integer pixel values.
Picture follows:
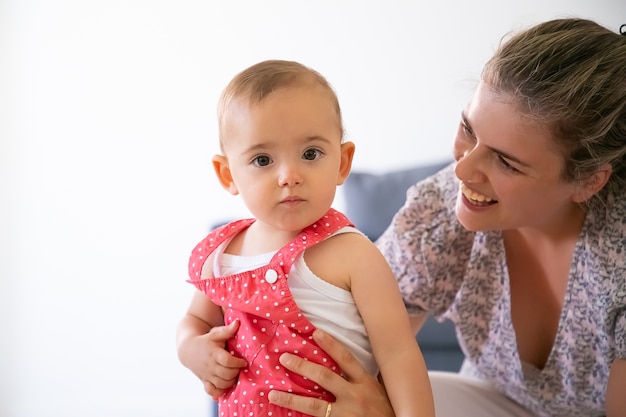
(261, 160)
(311, 154)
(508, 166)
(467, 130)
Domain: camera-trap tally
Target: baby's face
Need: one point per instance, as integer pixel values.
(285, 155)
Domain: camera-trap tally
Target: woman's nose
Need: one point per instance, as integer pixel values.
(468, 166)
(460, 148)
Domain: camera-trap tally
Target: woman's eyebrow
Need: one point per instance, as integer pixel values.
(506, 155)
(509, 157)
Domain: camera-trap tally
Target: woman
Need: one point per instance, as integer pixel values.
(522, 242)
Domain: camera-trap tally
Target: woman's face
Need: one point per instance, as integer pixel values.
(509, 169)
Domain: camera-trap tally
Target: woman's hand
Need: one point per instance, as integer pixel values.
(357, 393)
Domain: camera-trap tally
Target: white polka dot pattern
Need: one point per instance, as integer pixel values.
(270, 321)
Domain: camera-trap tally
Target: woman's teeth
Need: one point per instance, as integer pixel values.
(475, 198)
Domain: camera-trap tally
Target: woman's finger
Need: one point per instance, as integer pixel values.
(351, 368)
(358, 394)
(306, 405)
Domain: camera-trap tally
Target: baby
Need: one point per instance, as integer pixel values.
(266, 283)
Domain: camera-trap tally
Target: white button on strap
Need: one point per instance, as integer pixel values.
(271, 276)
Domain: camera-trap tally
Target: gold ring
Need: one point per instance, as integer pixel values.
(329, 408)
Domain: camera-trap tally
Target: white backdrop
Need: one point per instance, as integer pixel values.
(107, 126)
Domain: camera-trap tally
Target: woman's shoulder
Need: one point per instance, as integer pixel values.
(616, 211)
(615, 235)
(429, 211)
(605, 235)
(608, 221)
(426, 246)
(431, 202)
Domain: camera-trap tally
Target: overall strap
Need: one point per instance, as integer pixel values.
(212, 242)
(325, 227)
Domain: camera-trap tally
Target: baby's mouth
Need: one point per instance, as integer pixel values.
(476, 199)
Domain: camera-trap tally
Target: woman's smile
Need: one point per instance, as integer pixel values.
(475, 198)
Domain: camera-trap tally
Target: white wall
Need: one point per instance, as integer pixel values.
(107, 127)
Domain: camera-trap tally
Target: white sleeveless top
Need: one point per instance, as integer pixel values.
(328, 307)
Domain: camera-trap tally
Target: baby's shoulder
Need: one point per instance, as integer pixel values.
(345, 244)
(342, 251)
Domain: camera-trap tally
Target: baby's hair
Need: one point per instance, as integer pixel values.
(570, 76)
(258, 81)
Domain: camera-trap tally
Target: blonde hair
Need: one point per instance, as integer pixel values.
(570, 76)
(258, 81)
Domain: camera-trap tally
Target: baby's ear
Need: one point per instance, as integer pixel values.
(224, 176)
(347, 153)
(592, 185)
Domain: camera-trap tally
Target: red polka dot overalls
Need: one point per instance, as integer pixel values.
(270, 321)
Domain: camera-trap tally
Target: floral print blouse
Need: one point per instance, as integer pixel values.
(460, 275)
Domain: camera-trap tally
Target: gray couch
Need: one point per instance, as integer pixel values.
(371, 200)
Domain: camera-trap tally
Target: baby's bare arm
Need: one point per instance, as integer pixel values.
(376, 293)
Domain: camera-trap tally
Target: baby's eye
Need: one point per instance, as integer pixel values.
(262, 160)
(311, 154)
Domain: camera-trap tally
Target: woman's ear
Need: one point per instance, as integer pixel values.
(224, 176)
(592, 185)
(347, 153)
